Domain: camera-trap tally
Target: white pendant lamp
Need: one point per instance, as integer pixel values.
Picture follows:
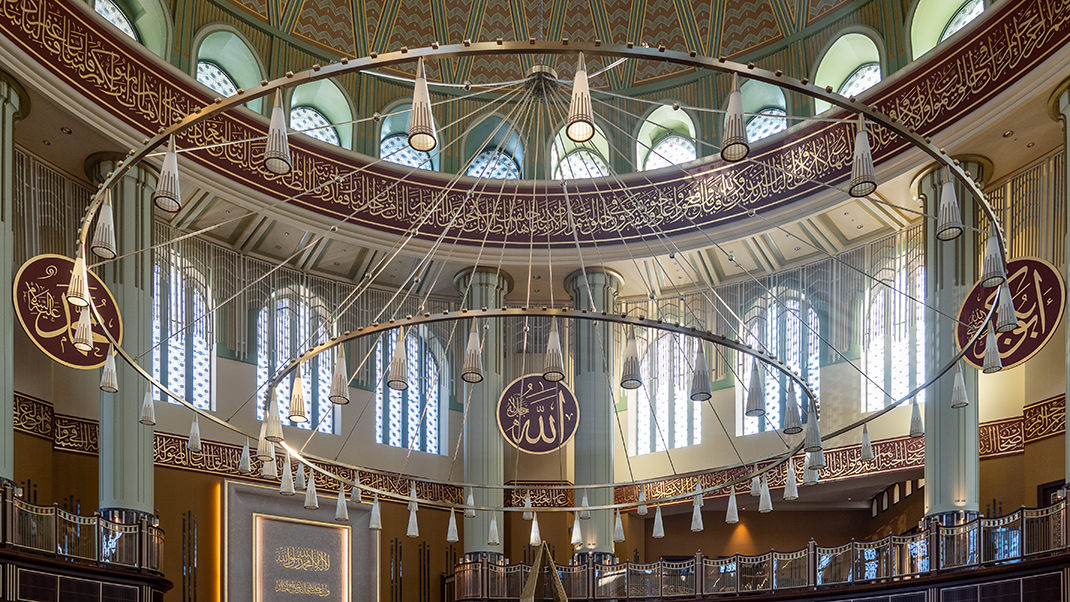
(263, 446)
(245, 461)
(756, 392)
(194, 442)
(618, 529)
(167, 195)
(863, 179)
(103, 244)
(734, 145)
(286, 486)
(300, 481)
(959, 399)
(641, 510)
(83, 332)
(659, 525)
(422, 135)
(536, 538)
(1006, 315)
(867, 445)
(413, 529)
(398, 376)
(339, 379)
(470, 503)
(700, 376)
(765, 501)
(993, 270)
(312, 501)
(630, 377)
(528, 514)
(358, 494)
(577, 531)
(451, 530)
(949, 224)
(277, 147)
(109, 380)
(413, 504)
(554, 367)
(492, 533)
(580, 126)
(810, 476)
(917, 427)
(792, 417)
(375, 520)
(269, 468)
(148, 410)
(992, 361)
(472, 368)
(78, 287)
(732, 515)
(813, 431)
(341, 510)
(585, 512)
(755, 485)
(791, 483)
(696, 518)
(697, 496)
(272, 421)
(816, 460)
(298, 407)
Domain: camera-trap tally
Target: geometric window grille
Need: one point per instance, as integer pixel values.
(395, 148)
(665, 416)
(115, 15)
(670, 150)
(969, 11)
(580, 164)
(311, 122)
(213, 76)
(495, 164)
(408, 419)
(182, 343)
(861, 79)
(767, 122)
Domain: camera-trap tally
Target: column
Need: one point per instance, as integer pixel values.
(951, 434)
(14, 105)
(1059, 103)
(593, 347)
(483, 453)
(126, 446)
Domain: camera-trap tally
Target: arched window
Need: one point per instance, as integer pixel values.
(226, 64)
(182, 340)
(322, 111)
(144, 21)
(409, 418)
(293, 320)
(495, 164)
(786, 328)
(767, 109)
(934, 21)
(666, 137)
(894, 340)
(115, 15)
(216, 78)
(767, 121)
(394, 141)
(850, 65)
(495, 148)
(665, 416)
(572, 161)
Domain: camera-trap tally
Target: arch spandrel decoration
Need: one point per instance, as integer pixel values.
(147, 96)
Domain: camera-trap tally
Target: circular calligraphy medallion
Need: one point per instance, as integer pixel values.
(1037, 289)
(40, 297)
(537, 416)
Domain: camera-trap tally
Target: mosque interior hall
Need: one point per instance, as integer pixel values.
(534, 300)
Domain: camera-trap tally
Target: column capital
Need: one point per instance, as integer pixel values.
(599, 278)
(98, 165)
(484, 276)
(1059, 101)
(11, 91)
(982, 162)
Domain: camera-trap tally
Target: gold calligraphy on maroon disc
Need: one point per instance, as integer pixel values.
(40, 297)
(537, 416)
(1037, 289)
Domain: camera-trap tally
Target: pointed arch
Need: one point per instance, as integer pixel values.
(226, 62)
(323, 110)
(933, 21)
(851, 63)
(666, 136)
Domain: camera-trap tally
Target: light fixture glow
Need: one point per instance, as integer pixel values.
(580, 126)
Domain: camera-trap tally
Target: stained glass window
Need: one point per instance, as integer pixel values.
(182, 340)
(861, 79)
(292, 321)
(409, 418)
(778, 328)
(494, 164)
(767, 122)
(665, 415)
(115, 15)
(311, 122)
(213, 76)
(969, 11)
(670, 150)
(395, 148)
(581, 164)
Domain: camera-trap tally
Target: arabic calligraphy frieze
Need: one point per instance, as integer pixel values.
(1045, 419)
(944, 87)
(298, 587)
(300, 558)
(39, 294)
(1039, 297)
(543, 497)
(537, 416)
(75, 435)
(33, 416)
(1001, 437)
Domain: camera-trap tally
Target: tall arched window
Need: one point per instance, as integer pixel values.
(850, 65)
(144, 21)
(182, 340)
(322, 111)
(292, 321)
(409, 418)
(786, 328)
(665, 416)
(767, 109)
(934, 21)
(666, 137)
(226, 64)
(394, 141)
(495, 148)
(572, 161)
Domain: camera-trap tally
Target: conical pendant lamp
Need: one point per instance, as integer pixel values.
(536, 538)
(734, 146)
(148, 410)
(959, 399)
(451, 530)
(103, 244)
(700, 376)
(755, 485)
(492, 533)
(83, 332)
(341, 510)
(277, 148)
(339, 379)
(816, 460)
(286, 485)
(358, 494)
(398, 377)
(863, 178)
(629, 371)
(300, 481)
(298, 405)
(263, 446)
(269, 468)
(109, 380)
(1006, 315)
(993, 270)
(470, 506)
(792, 417)
(413, 504)
(641, 510)
(765, 501)
(272, 420)
(245, 461)
(167, 195)
(422, 135)
(756, 392)
(659, 524)
(992, 360)
(949, 224)
(194, 442)
(618, 529)
(867, 445)
(472, 368)
(78, 287)
(375, 520)
(528, 515)
(554, 366)
(732, 515)
(580, 127)
(917, 428)
(813, 431)
(696, 518)
(577, 531)
(312, 501)
(413, 529)
(791, 483)
(585, 511)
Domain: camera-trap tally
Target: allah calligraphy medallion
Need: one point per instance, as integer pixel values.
(1037, 289)
(40, 297)
(537, 416)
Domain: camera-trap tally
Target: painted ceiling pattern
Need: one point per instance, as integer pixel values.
(712, 27)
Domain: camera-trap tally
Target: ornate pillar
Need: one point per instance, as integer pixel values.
(14, 105)
(483, 453)
(593, 351)
(126, 446)
(951, 434)
(1059, 105)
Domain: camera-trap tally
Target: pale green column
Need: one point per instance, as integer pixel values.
(483, 452)
(126, 446)
(951, 434)
(593, 351)
(14, 105)
(1060, 110)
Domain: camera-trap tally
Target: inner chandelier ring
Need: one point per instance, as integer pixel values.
(596, 48)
